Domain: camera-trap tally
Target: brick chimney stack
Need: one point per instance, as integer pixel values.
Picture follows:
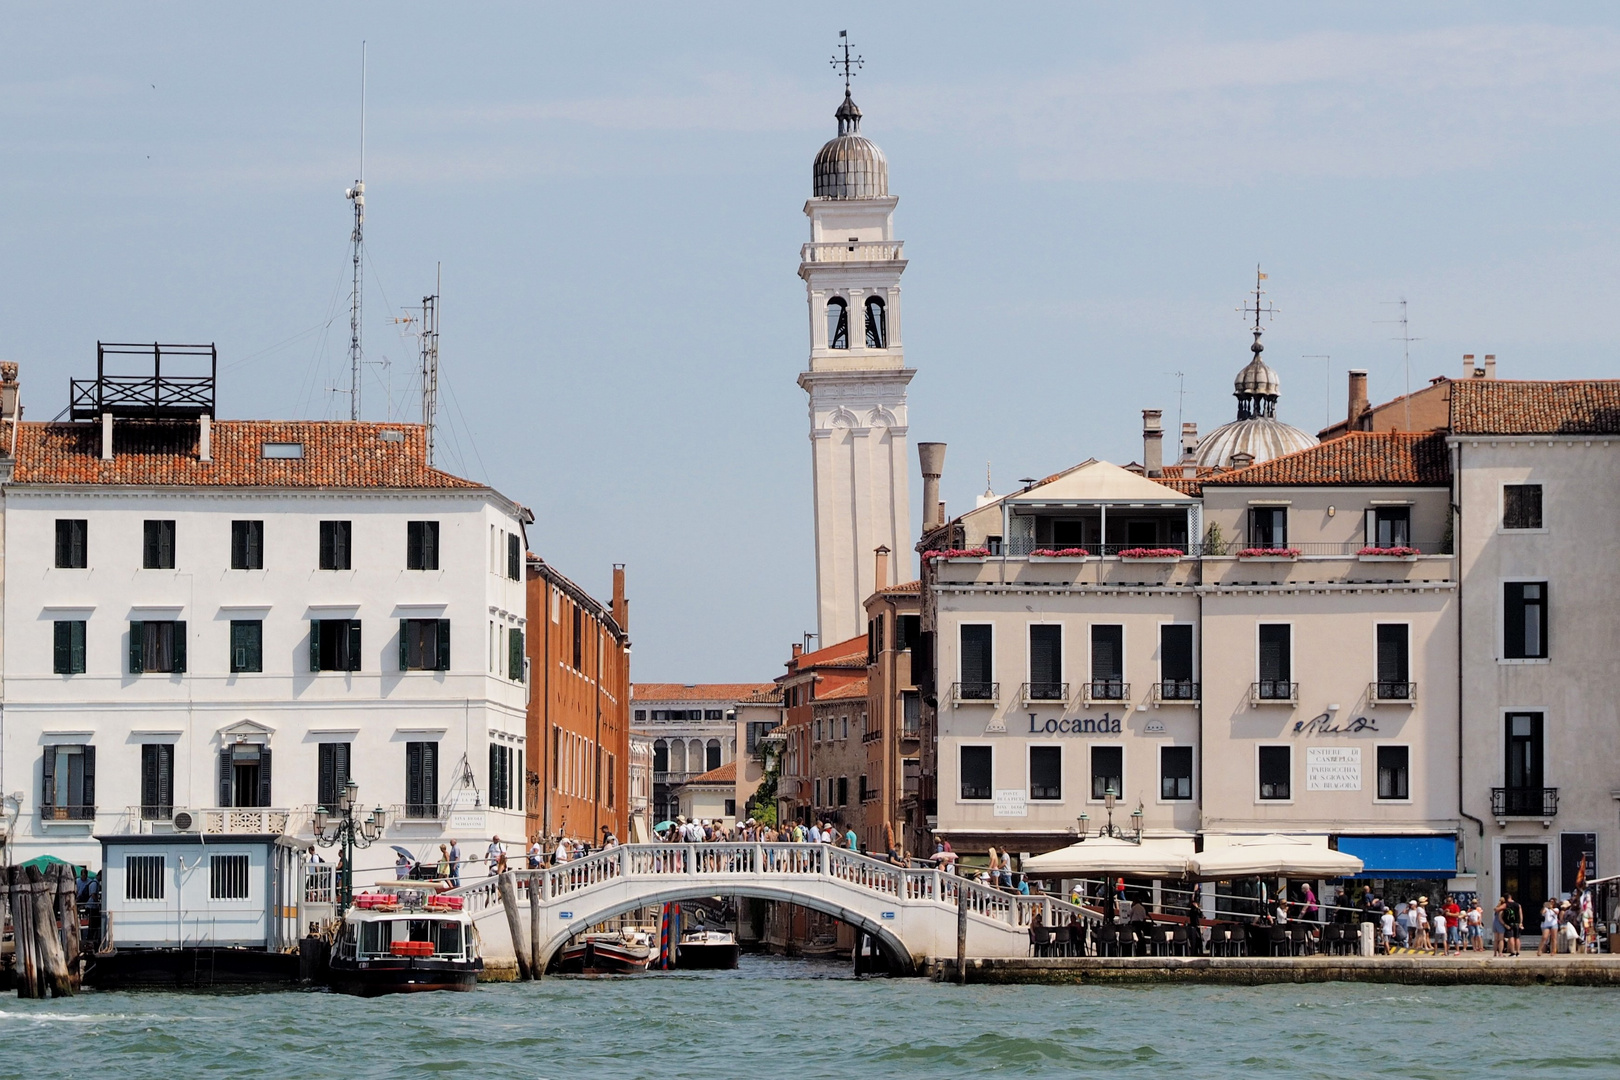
(621, 606)
(1189, 443)
(932, 457)
(1152, 442)
(882, 576)
(1358, 398)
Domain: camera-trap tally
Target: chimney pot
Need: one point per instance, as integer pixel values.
(798, 650)
(205, 439)
(1358, 398)
(880, 578)
(1490, 365)
(1152, 442)
(1189, 443)
(106, 436)
(931, 455)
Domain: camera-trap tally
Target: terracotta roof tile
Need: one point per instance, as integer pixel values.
(725, 774)
(1359, 457)
(838, 650)
(1515, 407)
(905, 588)
(336, 454)
(856, 689)
(667, 691)
(773, 696)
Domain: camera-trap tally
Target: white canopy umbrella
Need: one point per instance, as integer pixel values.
(1152, 858)
(1274, 856)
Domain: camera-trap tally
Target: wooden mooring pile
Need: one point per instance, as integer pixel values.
(44, 913)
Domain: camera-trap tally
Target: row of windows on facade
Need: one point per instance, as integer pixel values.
(1391, 526)
(336, 547)
(877, 323)
(245, 778)
(834, 792)
(676, 716)
(1274, 773)
(334, 645)
(146, 877)
(907, 629)
(581, 768)
(687, 757)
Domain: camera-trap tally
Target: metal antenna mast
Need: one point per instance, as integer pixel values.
(357, 195)
(1327, 395)
(430, 360)
(1181, 398)
(1406, 340)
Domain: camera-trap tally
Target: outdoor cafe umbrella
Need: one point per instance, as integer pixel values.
(1274, 856)
(1108, 855)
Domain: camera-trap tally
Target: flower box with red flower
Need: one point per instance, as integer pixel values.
(1147, 554)
(1388, 554)
(1269, 554)
(958, 554)
(1068, 554)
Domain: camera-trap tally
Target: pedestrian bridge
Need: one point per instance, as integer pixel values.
(911, 913)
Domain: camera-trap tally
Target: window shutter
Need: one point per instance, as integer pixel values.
(137, 641)
(149, 777)
(1513, 619)
(405, 642)
(179, 645)
(225, 777)
(496, 797)
(430, 545)
(514, 654)
(264, 777)
(76, 632)
(413, 773)
(89, 761)
(149, 552)
(444, 644)
(413, 545)
(64, 648)
(255, 646)
(341, 545)
(326, 783)
(430, 774)
(328, 556)
(48, 778)
(166, 776)
(354, 644)
(1372, 528)
(342, 770)
(314, 644)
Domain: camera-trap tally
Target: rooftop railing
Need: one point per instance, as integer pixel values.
(853, 251)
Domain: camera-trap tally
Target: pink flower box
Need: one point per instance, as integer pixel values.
(957, 553)
(1269, 553)
(1151, 553)
(1060, 553)
(1390, 552)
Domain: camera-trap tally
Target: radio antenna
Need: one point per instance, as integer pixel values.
(357, 239)
(1406, 340)
(430, 360)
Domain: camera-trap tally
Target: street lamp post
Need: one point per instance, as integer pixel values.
(346, 828)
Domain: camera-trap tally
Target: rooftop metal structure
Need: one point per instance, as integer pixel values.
(157, 396)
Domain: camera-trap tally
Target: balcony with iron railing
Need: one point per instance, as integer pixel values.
(1021, 547)
(853, 251)
(975, 693)
(1106, 690)
(1044, 693)
(81, 814)
(418, 813)
(1178, 692)
(1274, 692)
(214, 820)
(1392, 693)
(1530, 802)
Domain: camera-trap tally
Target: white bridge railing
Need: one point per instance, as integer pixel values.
(731, 865)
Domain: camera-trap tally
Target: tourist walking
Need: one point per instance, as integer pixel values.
(441, 870)
(1386, 925)
(1512, 924)
(455, 862)
(1442, 941)
(537, 853)
(1549, 928)
(495, 855)
(1475, 918)
(1417, 926)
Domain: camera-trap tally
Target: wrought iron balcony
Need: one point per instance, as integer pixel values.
(1274, 692)
(976, 693)
(1054, 692)
(1107, 690)
(1532, 802)
(1177, 691)
(1392, 693)
(67, 813)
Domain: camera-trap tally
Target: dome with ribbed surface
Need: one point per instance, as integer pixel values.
(850, 166)
(1256, 432)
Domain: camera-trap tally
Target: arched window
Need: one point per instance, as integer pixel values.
(837, 323)
(711, 755)
(660, 756)
(877, 323)
(677, 756)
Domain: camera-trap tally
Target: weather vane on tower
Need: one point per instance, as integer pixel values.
(1258, 309)
(850, 64)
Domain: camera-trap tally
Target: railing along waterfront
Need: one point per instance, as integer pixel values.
(718, 862)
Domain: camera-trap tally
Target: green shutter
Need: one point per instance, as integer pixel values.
(354, 644)
(314, 644)
(137, 654)
(255, 646)
(180, 645)
(405, 642)
(444, 644)
(76, 632)
(88, 796)
(64, 648)
(514, 655)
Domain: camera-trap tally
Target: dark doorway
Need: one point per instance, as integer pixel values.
(1524, 877)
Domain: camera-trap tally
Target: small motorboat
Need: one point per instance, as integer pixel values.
(405, 938)
(619, 952)
(707, 949)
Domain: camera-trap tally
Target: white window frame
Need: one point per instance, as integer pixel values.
(1124, 766)
(1547, 762)
(1292, 787)
(1411, 772)
(1063, 774)
(1159, 798)
(957, 771)
(1501, 619)
(1501, 508)
(1411, 653)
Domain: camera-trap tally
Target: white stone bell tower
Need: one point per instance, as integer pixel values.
(857, 377)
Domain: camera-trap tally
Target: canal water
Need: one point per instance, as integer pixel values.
(776, 1019)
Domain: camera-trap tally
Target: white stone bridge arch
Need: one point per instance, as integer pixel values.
(911, 912)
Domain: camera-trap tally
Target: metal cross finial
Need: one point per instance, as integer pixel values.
(1258, 309)
(847, 62)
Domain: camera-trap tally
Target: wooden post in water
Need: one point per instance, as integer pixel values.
(52, 962)
(514, 923)
(535, 970)
(29, 982)
(67, 912)
(961, 932)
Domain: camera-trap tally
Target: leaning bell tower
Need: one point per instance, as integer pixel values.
(857, 374)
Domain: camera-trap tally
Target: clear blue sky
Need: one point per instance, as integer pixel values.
(615, 194)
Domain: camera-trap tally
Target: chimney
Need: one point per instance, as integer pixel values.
(1490, 365)
(1242, 459)
(881, 580)
(1469, 370)
(932, 456)
(106, 436)
(1189, 443)
(1152, 442)
(798, 650)
(1358, 398)
(621, 606)
(205, 439)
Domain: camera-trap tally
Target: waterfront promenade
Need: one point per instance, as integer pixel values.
(1475, 970)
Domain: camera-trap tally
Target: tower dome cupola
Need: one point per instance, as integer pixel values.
(850, 166)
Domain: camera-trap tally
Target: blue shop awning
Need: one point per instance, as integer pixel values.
(1424, 858)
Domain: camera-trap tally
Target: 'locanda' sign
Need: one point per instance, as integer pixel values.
(1079, 725)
